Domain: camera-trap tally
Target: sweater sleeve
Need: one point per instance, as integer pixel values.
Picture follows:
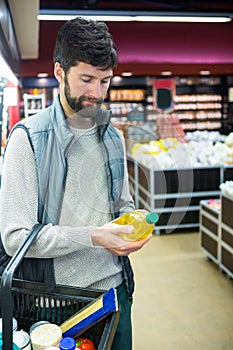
(126, 200)
(19, 205)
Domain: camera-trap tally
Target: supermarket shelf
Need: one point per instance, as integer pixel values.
(33, 104)
(170, 228)
(216, 234)
(210, 231)
(175, 193)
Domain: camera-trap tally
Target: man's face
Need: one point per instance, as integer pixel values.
(85, 87)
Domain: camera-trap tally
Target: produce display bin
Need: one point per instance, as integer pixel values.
(210, 230)
(216, 233)
(226, 244)
(30, 302)
(175, 194)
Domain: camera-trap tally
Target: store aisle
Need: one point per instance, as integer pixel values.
(182, 301)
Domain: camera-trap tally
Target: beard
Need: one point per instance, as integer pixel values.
(76, 104)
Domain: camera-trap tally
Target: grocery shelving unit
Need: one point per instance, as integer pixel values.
(127, 104)
(175, 194)
(33, 104)
(216, 233)
(198, 111)
(200, 103)
(226, 231)
(210, 218)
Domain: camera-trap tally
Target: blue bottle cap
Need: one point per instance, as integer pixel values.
(67, 343)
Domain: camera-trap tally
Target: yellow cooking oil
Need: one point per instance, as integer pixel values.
(142, 221)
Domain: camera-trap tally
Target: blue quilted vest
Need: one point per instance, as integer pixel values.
(51, 140)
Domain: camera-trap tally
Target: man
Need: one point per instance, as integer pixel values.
(65, 168)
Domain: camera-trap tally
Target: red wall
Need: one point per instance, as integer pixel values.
(148, 48)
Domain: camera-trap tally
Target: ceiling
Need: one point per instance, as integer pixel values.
(141, 5)
(143, 48)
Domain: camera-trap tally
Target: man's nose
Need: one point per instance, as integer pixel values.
(96, 90)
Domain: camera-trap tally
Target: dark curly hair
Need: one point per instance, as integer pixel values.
(85, 40)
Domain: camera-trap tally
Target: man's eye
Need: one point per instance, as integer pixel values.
(105, 82)
(86, 80)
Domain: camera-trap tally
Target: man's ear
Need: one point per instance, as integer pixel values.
(58, 72)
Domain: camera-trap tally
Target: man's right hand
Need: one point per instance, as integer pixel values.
(109, 237)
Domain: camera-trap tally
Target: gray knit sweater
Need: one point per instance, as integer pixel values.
(77, 262)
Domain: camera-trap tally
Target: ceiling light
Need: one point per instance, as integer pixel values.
(166, 73)
(42, 75)
(204, 72)
(126, 16)
(186, 18)
(117, 78)
(96, 18)
(126, 74)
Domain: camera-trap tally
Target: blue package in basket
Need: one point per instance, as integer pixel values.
(90, 314)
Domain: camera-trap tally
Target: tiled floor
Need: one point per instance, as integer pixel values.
(182, 301)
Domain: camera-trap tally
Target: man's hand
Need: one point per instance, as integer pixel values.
(109, 237)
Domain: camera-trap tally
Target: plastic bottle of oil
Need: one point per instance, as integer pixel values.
(142, 221)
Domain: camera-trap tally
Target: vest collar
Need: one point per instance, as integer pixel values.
(63, 133)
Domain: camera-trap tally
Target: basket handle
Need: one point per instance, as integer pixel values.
(6, 285)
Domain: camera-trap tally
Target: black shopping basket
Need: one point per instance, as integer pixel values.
(30, 302)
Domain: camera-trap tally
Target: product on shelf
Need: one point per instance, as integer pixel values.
(229, 140)
(227, 189)
(33, 104)
(205, 135)
(183, 154)
(214, 203)
(199, 111)
(127, 94)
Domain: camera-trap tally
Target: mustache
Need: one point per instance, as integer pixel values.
(91, 99)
